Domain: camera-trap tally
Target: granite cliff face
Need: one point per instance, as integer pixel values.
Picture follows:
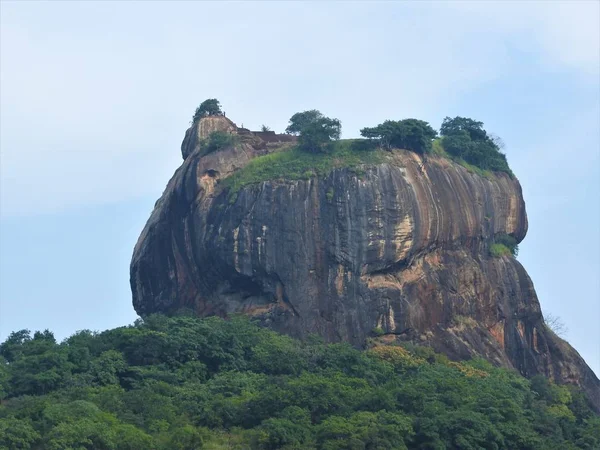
(403, 247)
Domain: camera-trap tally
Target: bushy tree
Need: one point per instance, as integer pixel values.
(314, 129)
(508, 243)
(316, 135)
(302, 119)
(409, 134)
(365, 430)
(17, 433)
(457, 125)
(466, 139)
(209, 107)
(38, 365)
(291, 429)
(12, 347)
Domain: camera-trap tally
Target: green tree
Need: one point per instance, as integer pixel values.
(509, 242)
(12, 347)
(458, 144)
(209, 107)
(410, 134)
(39, 366)
(81, 424)
(292, 429)
(315, 136)
(17, 434)
(302, 119)
(365, 430)
(107, 367)
(466, 139)
(186, 437)
(278, 355)
(457, 125)
(314, 129)
(4, 378)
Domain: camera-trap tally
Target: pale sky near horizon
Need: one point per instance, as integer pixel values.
(95, 98)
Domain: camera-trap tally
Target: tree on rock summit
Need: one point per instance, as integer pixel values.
(410, 134)
(314, 130)
(209, 107)
(466, 139)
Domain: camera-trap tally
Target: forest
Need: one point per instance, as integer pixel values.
(187, 383)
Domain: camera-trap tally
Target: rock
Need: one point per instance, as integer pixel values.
(202, 129)
(403, 247)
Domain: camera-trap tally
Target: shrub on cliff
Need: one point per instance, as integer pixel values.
(209, 107)
(504, 245)
(410, 134)
(467, 140)
(217, 140)
(314, 130)
(499, 250)
(187, 383)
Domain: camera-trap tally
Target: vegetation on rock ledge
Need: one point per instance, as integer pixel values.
(504, 245)
(217, 140)
(465, 139)
(296, 164)
(185, 383)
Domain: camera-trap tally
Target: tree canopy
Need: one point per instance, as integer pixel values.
(301, 119)
(458, 125)
(209, 107)
(466, 139)
(314, 130)
(409, 134)
(186, 383)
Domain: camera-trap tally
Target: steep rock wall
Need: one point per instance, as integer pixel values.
(404, 247)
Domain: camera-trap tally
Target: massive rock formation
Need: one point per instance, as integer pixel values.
(404, 248)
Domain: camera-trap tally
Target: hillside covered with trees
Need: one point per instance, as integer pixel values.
(187, 383)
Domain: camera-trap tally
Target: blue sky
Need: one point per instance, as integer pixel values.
(96, 96)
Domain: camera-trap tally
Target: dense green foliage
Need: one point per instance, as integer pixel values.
(301, 120)
(296, 164)
(504, 245)
(465, 139)
(498, 250)
(217, 140)
(209, 107)
(184, 383)
(314, 130)
(409, 134)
